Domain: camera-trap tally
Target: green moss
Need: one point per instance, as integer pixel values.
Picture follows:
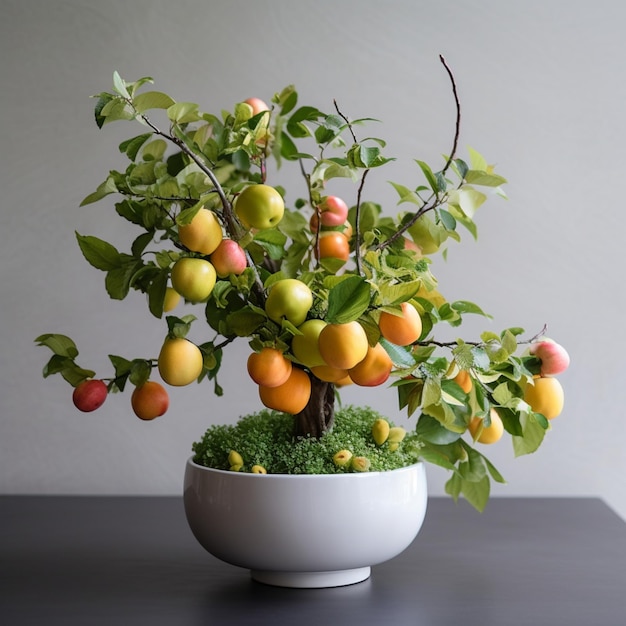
(266, 438)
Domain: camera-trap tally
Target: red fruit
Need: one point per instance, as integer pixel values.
(89, 395)
(554, 358)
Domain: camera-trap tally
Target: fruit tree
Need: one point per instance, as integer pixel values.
(326, 290)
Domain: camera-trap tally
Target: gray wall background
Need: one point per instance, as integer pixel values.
(542, 89)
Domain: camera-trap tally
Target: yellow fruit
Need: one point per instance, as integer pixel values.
(396, 434)
(380, 431)
(488, 434)
(193, 278)
(180, 362)
(342, 458)
(342, 346)
(545, 396)
(258, 469)
(360, 464)
(234, 458)
(171, 300)
(203, 234)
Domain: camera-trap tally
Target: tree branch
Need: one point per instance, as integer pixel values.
(434, 200)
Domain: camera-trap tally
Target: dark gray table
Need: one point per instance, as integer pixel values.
(132, 560)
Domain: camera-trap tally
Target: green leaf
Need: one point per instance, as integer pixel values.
(477, 161)
(120, 85)
(131, 146)
(140, 372)
(295, 126)
(288, 148)
(447, 219)
(453, 486)
(156, 293)
(245, 321)
(495, 474)
(183, 112)
(396, 293)
(348, 300)
(100, 254)
(430, 177)
(154, 150)
(61, 345)
(241, 161)
(406, 194)
(272, 241)
(152, 100)
(399, 355)
(477, 493)
(484, 179)
(179, 327)
(474, 469)
(533, 435)
(118, 280)
(463, 306)
(430, 429)
(120, 365)
(104, 189)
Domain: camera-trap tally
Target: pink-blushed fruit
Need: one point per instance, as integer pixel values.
(257, 105)
(553, 356)
(229, 258)
(333, 212)
(89, 395)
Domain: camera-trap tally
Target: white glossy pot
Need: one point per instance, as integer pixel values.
(305, 530)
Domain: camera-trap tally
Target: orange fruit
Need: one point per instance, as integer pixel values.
(488, 434)
(464, 380)
(328, 374)
(150, 400)
(374, 369)
(335, 245)
(402, 329)
(342, 346)
(545, 396)
(269, 367)
(290, 397)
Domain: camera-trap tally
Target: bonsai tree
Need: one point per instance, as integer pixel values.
(327, 290)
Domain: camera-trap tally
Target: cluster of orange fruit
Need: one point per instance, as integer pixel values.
(338, 353)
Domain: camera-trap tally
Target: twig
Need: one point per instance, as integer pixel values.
(357, 220)
(434, 200)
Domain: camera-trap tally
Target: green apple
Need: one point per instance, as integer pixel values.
(289, 299)
(260, 207)
(193, 278)
(305, 347)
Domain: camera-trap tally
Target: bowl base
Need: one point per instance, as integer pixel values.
(312, 580)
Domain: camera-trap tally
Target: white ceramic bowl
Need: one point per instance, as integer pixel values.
(305, 530)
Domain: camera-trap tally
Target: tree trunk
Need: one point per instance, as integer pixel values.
(319, 414)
